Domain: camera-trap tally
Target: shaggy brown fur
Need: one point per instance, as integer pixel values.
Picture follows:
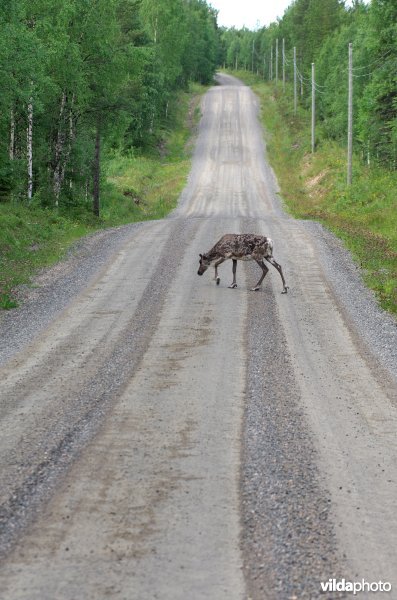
(241, 246)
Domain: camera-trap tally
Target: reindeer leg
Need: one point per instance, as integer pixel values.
(216, 265)
(279, 269)
(264, 272)
(234, 284)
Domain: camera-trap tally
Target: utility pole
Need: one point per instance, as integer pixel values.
(276, 61)
(313, 108)
(350, 119)
(283, 64)
(295, 94)
(271, 63)
(253, 50)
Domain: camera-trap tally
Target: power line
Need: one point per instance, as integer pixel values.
(377, 61)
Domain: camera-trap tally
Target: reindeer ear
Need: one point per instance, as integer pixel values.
(200, 255)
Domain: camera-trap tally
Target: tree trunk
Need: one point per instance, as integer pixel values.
(97, 171)
(61, 155)
(30, 149)
(12, 135)
(58, 152)
(70, 143)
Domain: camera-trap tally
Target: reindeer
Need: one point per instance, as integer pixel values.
(243, 246)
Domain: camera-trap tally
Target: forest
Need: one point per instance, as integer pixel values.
(82, 75)
(79, 76)
(321, 31)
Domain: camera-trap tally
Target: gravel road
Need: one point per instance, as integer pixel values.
(167, 438)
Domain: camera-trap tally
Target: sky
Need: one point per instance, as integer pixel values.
(249, 13)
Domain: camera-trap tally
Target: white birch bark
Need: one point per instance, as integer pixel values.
(30, 149)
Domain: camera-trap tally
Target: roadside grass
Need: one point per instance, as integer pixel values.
(142, 188)
(29, 239)
(134, 188)
(147, 186)
(313, 186)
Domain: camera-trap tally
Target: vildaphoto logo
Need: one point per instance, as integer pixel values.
(341, 585)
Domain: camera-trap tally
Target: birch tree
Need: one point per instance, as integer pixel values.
(29, 148)
(78, 74)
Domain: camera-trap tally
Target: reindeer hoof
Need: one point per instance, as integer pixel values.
(285, 290)
(218, 279)
(256, 289)
(232, 286)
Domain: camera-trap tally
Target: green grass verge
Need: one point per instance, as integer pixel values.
(29, 239)
(134, 188)
(313, 186)
(147, 186)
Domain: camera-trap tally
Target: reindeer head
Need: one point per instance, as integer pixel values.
(204, 264)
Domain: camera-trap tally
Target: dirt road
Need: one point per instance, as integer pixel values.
(163, 437)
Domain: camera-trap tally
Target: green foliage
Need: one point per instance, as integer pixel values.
(321, 31)
(378, 109)
(99, 75)
(136, 186)
(313, 186)
(147, 185)
(201, 55)
(29, 237)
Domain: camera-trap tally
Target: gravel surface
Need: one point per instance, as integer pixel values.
(376, 327)
(41, 462)
(125, 413)
(53, 288)
(288, 534)
(141, 435)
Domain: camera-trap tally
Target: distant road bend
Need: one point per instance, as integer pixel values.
(167, 438)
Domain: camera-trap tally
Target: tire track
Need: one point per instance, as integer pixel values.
(288, 535)
(32, 467)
